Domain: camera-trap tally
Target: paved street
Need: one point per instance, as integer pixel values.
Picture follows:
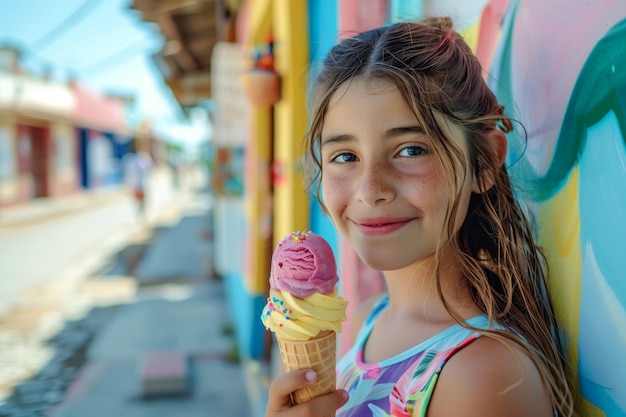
(48, 252)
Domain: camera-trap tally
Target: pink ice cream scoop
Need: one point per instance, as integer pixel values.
(303, 263)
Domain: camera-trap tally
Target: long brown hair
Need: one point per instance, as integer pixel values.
(435, 71)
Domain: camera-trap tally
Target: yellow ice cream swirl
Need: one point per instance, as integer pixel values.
(303, 318)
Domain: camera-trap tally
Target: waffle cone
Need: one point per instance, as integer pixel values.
(318, 354)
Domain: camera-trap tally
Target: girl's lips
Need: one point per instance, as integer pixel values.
(382, 227)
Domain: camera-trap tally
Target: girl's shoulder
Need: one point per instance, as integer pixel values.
(490, 378)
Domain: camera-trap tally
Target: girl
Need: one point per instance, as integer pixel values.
(409, 145)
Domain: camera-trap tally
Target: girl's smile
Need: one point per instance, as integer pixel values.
(382, 182)
(380, 226)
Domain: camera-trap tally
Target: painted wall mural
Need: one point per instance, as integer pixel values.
(560, 69)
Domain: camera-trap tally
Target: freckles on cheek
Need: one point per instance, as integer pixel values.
(433, 178)
(333, 191)
(430, 188)
(334, 194)
(422, 182)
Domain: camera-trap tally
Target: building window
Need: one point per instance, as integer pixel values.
(7, 154)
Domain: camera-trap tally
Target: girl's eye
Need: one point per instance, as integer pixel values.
(410, 151)
(343, 158)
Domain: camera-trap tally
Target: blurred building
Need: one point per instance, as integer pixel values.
(37, 138)
(58, 138)
(36, 134)
(190, 29)
(103, 138)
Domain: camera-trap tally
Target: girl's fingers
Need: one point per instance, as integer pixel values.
(284, 385)
(323, 406)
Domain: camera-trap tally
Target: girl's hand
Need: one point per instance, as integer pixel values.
(279, 404)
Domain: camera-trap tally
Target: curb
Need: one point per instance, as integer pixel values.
(48, 208)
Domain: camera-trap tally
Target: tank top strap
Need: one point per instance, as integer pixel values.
(370, 319)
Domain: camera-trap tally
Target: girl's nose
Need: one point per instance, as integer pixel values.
(375, 185)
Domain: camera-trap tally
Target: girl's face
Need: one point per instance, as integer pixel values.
(382, 183)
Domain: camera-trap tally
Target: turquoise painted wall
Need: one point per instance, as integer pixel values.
(560, 69)
(323, 24)
(401, 10)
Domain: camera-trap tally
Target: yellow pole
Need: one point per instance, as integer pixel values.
(259, 200)
(290, 24)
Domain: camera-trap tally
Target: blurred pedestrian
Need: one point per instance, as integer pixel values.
(136, 169)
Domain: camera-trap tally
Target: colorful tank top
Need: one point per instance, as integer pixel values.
(401, 385)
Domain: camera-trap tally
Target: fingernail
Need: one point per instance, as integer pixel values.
(344, 395)
(310, 376)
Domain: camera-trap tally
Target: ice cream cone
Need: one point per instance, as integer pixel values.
(318, 354)
(304, 309)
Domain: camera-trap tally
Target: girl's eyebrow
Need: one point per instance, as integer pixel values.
(336, 139)
(404, 130)
(391, 133)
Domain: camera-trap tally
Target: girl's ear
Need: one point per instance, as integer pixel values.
(487, 176)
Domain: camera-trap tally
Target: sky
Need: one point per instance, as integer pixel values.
(107, 47)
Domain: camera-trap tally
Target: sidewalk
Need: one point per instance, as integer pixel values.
(168, 351)
(41, 209)
(178, 314)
